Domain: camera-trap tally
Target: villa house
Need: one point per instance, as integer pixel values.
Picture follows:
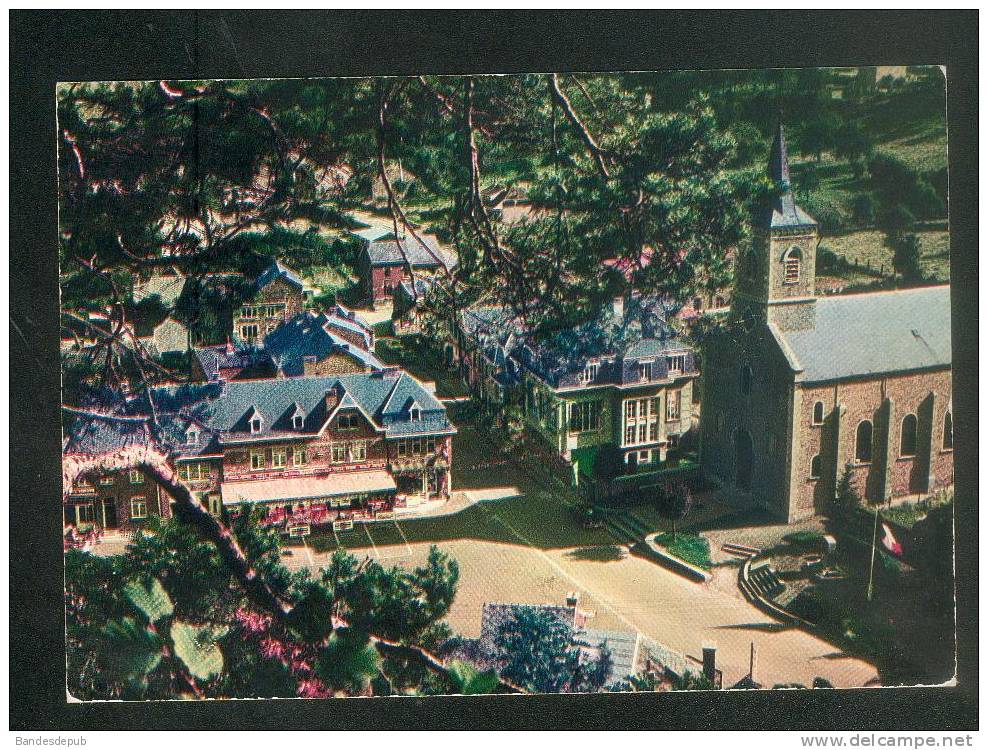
(386, 262)
(612, 396)
(337, 342)
(123, 500)
(277, 295)
(308, 449)
(406, 316)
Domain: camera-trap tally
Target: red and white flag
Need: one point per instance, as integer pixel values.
(889, 541)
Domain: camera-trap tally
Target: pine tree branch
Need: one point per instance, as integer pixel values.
(595, 150)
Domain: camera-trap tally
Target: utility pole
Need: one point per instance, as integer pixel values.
(871, 569)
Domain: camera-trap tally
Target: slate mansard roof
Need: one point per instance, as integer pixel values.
(311, 335)
(871, 334)
(308, 334)
(386, 252)
(617, 345)
(212, 359)
(221, 412)
(385, 398)
(277, 270)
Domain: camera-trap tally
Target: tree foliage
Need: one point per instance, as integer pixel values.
(181, 625)
(906, 257)
(847, 499)
(674, 502)
(536, 650)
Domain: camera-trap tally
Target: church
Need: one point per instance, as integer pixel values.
(798, 389)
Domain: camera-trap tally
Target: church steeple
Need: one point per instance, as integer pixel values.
(776, 280)
(778, 163)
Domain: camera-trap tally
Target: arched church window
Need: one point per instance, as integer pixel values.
(948, 432)
(816, 466)
(907, 440)
(791, 262)
(818, 412)
(862, 443)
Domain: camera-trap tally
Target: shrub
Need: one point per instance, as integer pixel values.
(804, 540)
(675, 503)
(847, 499)
(905, 258)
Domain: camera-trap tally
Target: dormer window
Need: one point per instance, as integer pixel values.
(192, 436)
(255, 425)
(590, 372)
(645, 370)
(415, 414)
(676, 363)
(298, 422)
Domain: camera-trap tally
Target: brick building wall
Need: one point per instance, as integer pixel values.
(885, 402)
(271, 306)
(122, 500)
(384, 280)
(732, 419)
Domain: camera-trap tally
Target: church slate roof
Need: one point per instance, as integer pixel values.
(871, 334)
(786, 214)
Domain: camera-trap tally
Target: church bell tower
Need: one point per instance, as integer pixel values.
(776, 276)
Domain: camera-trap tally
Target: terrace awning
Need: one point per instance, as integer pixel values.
(306, 488)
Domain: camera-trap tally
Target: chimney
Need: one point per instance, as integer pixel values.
(332, 398)
(710, 662)
(572, 599)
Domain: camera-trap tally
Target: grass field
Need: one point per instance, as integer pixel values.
(868, 248)
(691, 548)
(913, 129)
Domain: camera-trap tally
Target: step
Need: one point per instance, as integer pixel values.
(620, 531)
(740, 549)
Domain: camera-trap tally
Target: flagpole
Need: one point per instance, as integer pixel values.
(871, 569)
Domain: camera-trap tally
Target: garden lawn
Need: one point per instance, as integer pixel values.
(691, 548)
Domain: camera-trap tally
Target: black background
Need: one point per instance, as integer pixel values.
(48, 46)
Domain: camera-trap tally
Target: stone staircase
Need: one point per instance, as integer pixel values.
(765, 582)
(626, 527)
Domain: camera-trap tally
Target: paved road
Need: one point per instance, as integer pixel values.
(631, 594)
